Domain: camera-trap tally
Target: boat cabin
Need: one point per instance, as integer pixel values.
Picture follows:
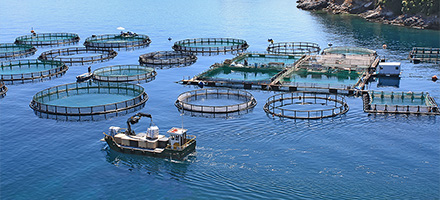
(177, 137)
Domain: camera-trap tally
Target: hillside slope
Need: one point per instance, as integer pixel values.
(413, 13)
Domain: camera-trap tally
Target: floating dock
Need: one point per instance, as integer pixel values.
(357, 68)
(424, 54)
(400, 103)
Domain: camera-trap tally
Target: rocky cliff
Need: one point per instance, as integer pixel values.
(380, 11)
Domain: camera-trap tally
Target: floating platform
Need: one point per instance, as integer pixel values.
(3, 89)
(400, 103)
(11, 51)
(211, 45)
(167, 58)
(349, 51)
(48, 39)
(24, 70)
(304, 105)
(239, 74)
(259, 60)
(424, 54)
(89, 98)
(124, 73)
(293, 48)
(322, 74)
(118, 41)
(79, 55)
(332, 71)
(189, 101)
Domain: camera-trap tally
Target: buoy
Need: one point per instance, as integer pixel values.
(434, 78)
(201, 84)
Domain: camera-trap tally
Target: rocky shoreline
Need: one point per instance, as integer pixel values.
(369, 11)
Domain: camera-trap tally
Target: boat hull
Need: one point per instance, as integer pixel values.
(166, 153)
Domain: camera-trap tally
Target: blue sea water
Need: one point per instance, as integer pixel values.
(250, 156)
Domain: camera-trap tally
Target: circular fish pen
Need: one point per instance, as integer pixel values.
(117, 41)
(349, 51)
(305, 105)
(10, 50)
(211, 45)
(196, 101)
(124, 73)
(88, 98)
(293, 48)
(48, 39)
(72, 55)
(23, 70)
(167, 58)
(3, 89)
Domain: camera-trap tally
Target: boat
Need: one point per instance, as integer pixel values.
(150, 143)
(84, 77)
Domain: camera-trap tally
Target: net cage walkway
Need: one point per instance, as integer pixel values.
(23, 70)
(117, 41)
(124, 73)
(293, 48)
(184, 100)
(211, 45)
(400, 103)
(11, 51)
(167, 58)
(41, 101)
(424, 54)
(65, 55)
(48, 39)
(349, 51)
(276, 105)
(3, 89)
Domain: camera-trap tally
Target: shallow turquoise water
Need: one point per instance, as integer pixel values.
(266, 60)
(242, 74)
(250, 156)
(333, 81)
(399, 101)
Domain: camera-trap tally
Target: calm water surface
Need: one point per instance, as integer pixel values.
(250, 156)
